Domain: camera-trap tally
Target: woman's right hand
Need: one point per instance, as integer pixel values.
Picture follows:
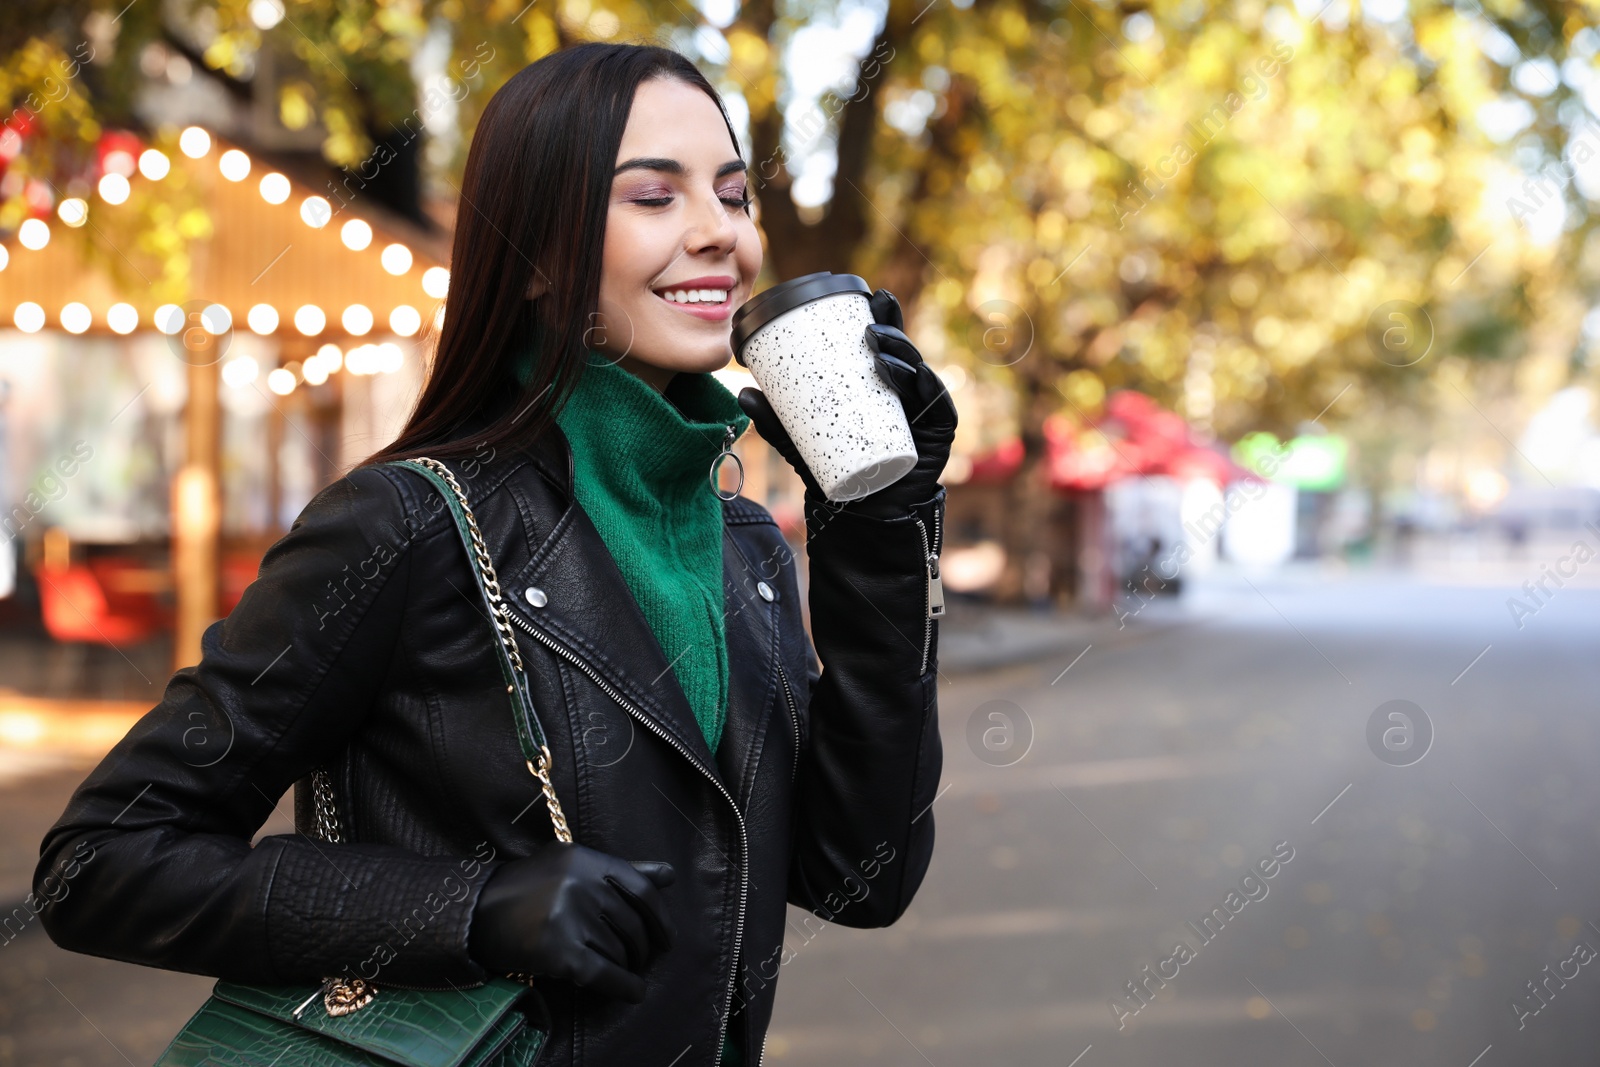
(572, 912)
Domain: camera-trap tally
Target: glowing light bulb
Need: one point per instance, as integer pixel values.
(216, 319)
(281, 381)
(266, 13)
(169, 319)
(122, 318)
(29, 317)
(405, 320)
(274, 188)
(436, 282)
(33, 234)
(315, 212)
(74, 211)
(154, 164)
(356, 235)
(76, 317)
(194, 142)
(114, 188)
(396, 259)
(310, 320)
(357, 320)
(240, 371)
(263, 318)
(235, 165)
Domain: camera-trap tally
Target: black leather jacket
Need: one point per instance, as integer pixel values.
(361, 647)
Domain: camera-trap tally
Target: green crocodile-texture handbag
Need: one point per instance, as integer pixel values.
(503, 1023)
(252, 1026)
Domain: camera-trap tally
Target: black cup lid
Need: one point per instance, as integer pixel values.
(785, 297)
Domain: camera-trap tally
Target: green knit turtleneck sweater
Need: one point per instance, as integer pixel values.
(641, 463)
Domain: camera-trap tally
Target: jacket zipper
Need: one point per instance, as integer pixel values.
(935, 598)
(794, 721)
(650, 724)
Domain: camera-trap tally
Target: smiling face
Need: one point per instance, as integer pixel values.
(681, 250)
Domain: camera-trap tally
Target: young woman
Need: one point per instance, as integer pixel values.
(710, 772)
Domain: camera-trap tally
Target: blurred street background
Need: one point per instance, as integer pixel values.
(1272, 551)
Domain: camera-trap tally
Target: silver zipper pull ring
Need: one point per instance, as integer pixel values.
(727, 453)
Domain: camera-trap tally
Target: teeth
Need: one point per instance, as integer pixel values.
(696, 296)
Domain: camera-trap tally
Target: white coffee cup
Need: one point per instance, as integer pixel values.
(804, 341)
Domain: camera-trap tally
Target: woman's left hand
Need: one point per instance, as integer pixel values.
(929, 411)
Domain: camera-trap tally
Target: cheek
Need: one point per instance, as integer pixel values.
(614, 261)
(631, 257)
(748, 254)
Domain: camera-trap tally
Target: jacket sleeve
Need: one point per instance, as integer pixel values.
(863, 828)
(152, 861)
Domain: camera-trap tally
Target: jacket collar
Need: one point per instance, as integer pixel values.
(551, 455)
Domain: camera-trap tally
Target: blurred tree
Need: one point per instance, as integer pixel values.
(1264, 220)
(1210, 204)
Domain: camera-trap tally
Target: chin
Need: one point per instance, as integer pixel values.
(688, 360)
(716, 361)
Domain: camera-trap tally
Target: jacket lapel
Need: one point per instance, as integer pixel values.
(588, 608)
(585, 604)
(752, 636)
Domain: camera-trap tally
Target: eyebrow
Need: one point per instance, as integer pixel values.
(672, 166)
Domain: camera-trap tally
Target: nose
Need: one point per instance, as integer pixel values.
(712, 229)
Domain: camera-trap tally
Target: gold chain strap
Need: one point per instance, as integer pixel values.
(341, 997)
(502, 624)
(327, 822)
(491, 582)
(557, 818)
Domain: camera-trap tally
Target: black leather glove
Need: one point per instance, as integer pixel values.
(572, 912)
(929, 409)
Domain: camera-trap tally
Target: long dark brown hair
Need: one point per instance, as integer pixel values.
(534, 198)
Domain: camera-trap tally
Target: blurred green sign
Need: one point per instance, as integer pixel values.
(1316, 462)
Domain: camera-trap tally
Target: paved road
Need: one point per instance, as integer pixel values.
(1165, 764)
(62, 1009)
(1408, 905)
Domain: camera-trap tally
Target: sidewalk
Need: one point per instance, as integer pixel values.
(979, 637)
(47, 745)
(43, 734)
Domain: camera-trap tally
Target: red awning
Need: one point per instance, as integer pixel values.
(1134, 436)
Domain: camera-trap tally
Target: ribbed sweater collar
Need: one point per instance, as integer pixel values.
(665, 442)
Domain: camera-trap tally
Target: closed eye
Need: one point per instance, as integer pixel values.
(739, 203)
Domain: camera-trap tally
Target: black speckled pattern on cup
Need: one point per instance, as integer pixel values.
(817, 371)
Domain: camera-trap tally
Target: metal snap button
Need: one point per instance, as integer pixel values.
(535, 596)
(766, 592)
